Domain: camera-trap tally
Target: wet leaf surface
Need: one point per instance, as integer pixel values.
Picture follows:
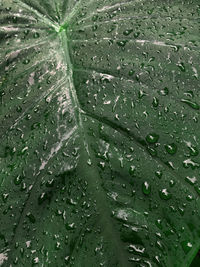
(99, 127)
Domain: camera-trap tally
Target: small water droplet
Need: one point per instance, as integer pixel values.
(164, 91)
(171, 183)
(36, 35)
(132, 170)
(18, 180)
(19, 109)
(141, 94)
(89, 162)
(152, 138)
(94, 17)
(136, 34)
(26, 32)
(42, 198)
(171, 148)
(5, 197)
(50, 183)
(152, 151)
(164, 194)
(159, 174)
(70, 226)
(193, 151)
(189, 197)
(122, 43)
(146, 188)
(127, 32)
(131, 72)
(155, 102)
(187, 246)
(181, 66)
(159, 224)
(26, 61)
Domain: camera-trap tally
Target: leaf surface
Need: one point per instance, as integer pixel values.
(99, 126)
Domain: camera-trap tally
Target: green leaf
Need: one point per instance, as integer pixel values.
(99, 126)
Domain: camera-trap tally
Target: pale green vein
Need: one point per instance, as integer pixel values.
(39, 15)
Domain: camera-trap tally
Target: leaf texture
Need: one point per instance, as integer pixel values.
(99, 127)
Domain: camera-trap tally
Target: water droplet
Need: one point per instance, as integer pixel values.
(164, 91)
(193, 151)
(26, 61)
(191, 180)
(122, 43)
(190, 163)
(5, 197)
(164, 194)
(131, 72)
(159, 174)
(146, 188)
(159, 224)
(127, 32)
(50, 183)
(89, 162)
(141, 94)
(136, 34)
(152, 138)
(171, 183)
(190, 103)
(136, 249)
(36, 35)
(70, 226)
(23, 186)
(35, 261)
(152, 151)
(26, 32)
(18, 180)
(186, 246)
(181, 66)
(171, 148)
(19, 109)
(57, 246)
(155, 102)
(23, 151)
(94, 28)
(42, 198)
(189, 197)
(132, 170)
(94, 17)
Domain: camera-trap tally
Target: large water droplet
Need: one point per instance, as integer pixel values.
(190, 103)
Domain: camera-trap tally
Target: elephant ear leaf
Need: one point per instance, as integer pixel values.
(100, 137)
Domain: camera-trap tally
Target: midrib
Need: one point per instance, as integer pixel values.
(91, 173)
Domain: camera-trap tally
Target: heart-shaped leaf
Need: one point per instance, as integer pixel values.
(99, 126)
